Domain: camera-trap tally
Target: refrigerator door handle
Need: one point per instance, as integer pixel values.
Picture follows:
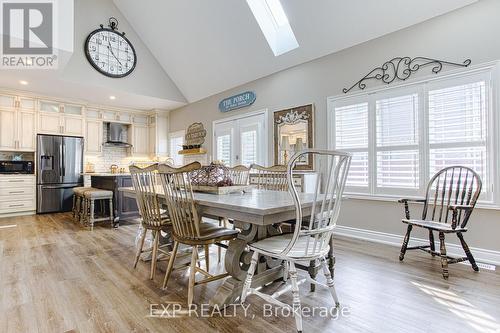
(63, 170)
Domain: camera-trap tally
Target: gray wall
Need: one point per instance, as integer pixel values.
(148, 78)
(471, 32)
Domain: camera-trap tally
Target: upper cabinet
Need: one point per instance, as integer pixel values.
(17, 123)
(140, 140)
(93, 136)
(158, 136)
(61, 119)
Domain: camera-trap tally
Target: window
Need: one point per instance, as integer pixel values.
(401, 137)
(176, 140)
(274, 24)
(241, 140)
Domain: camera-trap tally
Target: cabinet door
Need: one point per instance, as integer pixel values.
(93, 137)
(26, 130)
(7, 102)
(7, 130)
(73, 125)
(140, 140)
(49, 123)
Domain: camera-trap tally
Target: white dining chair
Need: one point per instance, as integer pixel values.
(311, 237)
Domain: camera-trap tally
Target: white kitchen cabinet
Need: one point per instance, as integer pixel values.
(61, 119)
(17, 194)
(140, 140)
(26, 130)
(8, 102)
(8, 130)
(17, 129)
(158, 136)
(93, 137)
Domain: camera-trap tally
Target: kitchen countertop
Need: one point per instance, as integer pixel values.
(106, 174)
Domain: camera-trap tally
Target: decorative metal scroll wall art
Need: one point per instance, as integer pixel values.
(402, 68)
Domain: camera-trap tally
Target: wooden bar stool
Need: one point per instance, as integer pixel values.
(90, 196)
(77, 201)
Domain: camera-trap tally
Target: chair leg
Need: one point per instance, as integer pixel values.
(92, 212)
(170, 266)
(192, 274)
(329, 281)
(207, 257)
(154, 255)
(248, 280)
(467, 252)
(297, 309)
(83, 211)
(140, 246)
(111, 217)
(219, 249)
(405, 243)
(431, 242)
(444, 260)
(73, 210)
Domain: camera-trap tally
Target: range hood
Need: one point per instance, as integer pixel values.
(116, 134)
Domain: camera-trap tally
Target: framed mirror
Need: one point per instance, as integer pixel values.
(293, 132)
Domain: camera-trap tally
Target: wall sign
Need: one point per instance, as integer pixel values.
(195, 136)
(238, 101)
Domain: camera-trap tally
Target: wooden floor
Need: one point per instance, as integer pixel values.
(56, 276)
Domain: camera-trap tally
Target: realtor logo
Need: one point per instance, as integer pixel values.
(28, 34)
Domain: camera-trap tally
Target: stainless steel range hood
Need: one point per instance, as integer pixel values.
(116, 132)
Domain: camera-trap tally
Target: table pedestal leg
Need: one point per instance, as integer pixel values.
(237, 261)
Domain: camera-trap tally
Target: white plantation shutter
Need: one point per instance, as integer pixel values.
(249, 147)
(351, 134)
(224, 149)
(458, 128)
(397, 147)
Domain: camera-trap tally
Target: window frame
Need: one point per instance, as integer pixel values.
(490, 73)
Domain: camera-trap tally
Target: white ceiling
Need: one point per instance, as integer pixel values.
(207, 47)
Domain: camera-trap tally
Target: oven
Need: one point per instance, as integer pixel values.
(17, 167)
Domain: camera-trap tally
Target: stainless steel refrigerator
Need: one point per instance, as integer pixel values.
(59, 170)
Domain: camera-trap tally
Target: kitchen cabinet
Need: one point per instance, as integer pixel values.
(17, 194)
(93, 137)
(140, 138)
(60, 119)
(158, 136)
(17, 124)
(125, 207)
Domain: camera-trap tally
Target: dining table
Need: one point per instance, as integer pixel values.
(257, 214)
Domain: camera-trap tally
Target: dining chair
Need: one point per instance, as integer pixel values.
(273, 178)
(239, 176)
(310, 239)
(187, 226)
(153, 218)
(450, 198)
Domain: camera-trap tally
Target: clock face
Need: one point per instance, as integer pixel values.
(110, 53)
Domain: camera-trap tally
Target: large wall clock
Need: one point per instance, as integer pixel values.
(110, 52)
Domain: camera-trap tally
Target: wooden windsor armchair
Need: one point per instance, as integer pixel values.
(153, 218)
(187, 226)
(310, 239)
(451, 196)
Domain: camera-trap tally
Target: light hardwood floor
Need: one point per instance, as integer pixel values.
(56, 276)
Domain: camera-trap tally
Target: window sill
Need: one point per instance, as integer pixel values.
(394, 199)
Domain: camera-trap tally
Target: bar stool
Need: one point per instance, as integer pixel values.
(90, 196)
(77, 199)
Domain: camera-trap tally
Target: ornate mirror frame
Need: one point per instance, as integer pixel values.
(293, 116)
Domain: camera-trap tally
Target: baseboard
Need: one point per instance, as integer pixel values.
(481, 255)
(30, 212)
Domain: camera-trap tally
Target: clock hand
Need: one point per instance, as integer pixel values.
(111, 50)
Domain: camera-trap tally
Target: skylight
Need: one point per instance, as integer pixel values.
(274, 24)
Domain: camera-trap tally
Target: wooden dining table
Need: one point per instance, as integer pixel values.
(257, 214)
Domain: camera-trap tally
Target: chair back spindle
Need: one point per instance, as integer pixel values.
(145, 185)
(272, 178)
(239, 175)
(454, 185)
(176, 183)
(333, 167)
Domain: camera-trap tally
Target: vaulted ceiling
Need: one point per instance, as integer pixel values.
(207, 47)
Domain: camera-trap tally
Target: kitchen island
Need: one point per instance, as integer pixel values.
(125, 207)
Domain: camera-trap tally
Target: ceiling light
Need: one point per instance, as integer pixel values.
(112, 97)
(24, 83)
(274, 24)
